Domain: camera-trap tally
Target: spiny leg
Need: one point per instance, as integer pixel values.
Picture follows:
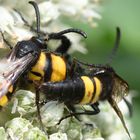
(86, 112)
(76, 69)
(95, 107)
(65, 42)
(23, 19)
(90, 65)
(65, 45)
(72, 68)
(72, 110)
(26, 23)
(38, 109)
(8, 44)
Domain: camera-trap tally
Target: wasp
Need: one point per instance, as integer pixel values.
(31, 60)
(97, 83)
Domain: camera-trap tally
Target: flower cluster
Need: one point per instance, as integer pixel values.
(91, 128)
(53, 14)
(51, 21)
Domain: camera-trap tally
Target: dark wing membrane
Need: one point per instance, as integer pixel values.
(13, 72)
(120, 89)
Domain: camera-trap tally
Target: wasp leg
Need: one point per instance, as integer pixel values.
(75, 69)
(72, 110)
(129, 105)
(90, 65)
(23, 19)
(38, 109)
(8, 44)
(86, 112)
(72, 68)
(65, 44)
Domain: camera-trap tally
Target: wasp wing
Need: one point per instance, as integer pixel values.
(120, 89)
(12, 71)
(119, 113)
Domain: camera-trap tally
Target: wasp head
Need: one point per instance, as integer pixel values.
(25, 47)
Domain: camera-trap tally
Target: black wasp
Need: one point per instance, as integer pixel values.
(30, 60)
(97, 83)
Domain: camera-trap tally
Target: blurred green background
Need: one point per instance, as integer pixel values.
(125, 14)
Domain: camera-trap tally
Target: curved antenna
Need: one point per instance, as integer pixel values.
(34, 4)
(57, 35)
(116, 45)
(6, 41)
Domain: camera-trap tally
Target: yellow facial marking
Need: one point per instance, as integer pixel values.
(3, 100)
(89, 89)
(98, 90)
(58, 68)
(38, 67)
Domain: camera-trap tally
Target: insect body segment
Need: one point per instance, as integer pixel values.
(49, 67)
(4, 99)
(59, 68)
(105, 84)
(92, 88)
(80, 90)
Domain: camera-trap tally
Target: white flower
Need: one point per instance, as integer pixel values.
(108, 117)
(84, 10)
(51, 113)
(58, 136)
(7, 21)
(48, 12)
(14, 29)
(20, 128)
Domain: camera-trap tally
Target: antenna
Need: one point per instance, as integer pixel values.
(116, 45)
(57, 35)
(34, 4)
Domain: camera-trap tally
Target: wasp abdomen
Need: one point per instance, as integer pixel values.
(71, 91)
(4, 99)
(82, 90)
(49, 67)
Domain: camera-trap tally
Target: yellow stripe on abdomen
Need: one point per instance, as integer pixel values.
(58, 68)
(98, 90)
(89, 89)
(38, 68)
(3, 100)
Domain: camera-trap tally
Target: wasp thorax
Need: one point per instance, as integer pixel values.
(25, 47)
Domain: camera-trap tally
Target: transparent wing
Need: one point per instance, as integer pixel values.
(10, 71)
